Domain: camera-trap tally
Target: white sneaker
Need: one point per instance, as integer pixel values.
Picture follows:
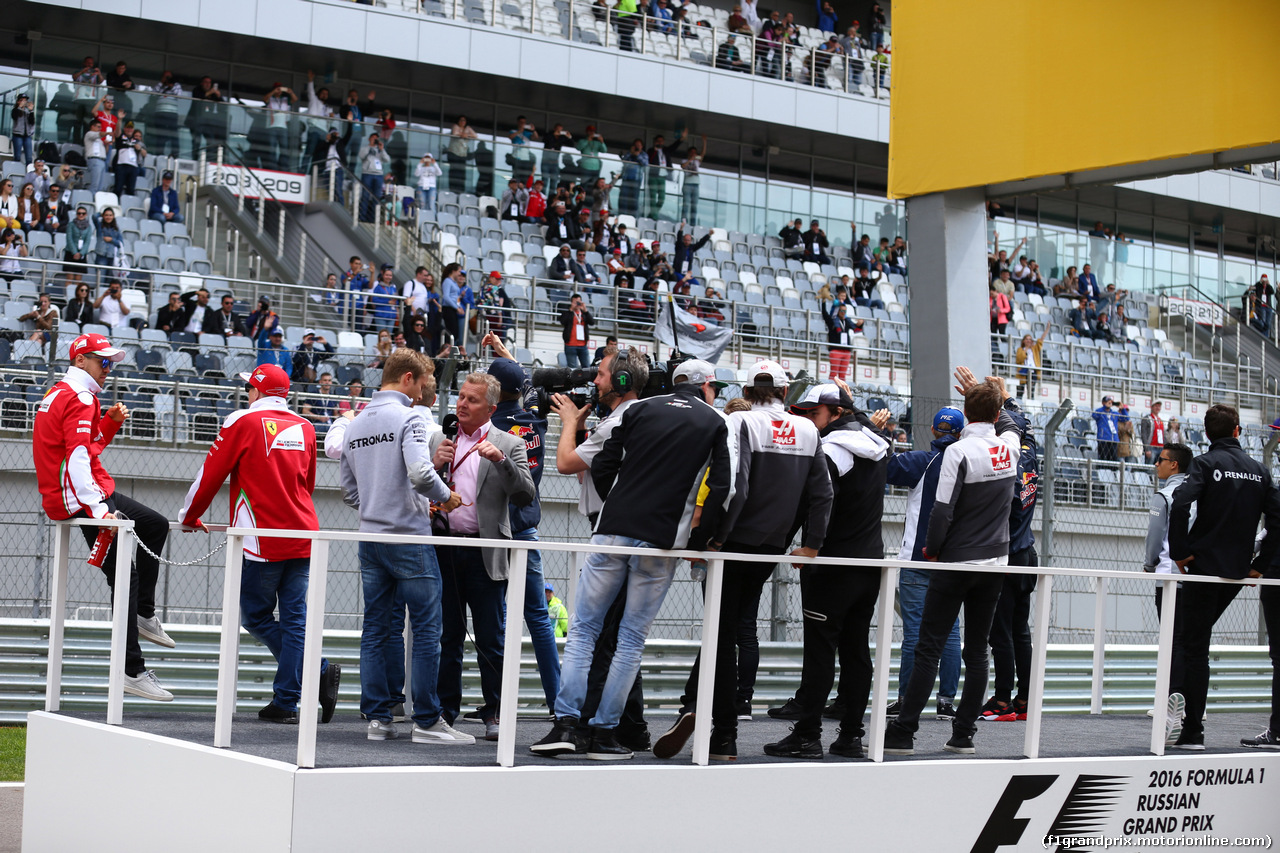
(1173, 718)
(154, 631)
(147, 686)
(440, 732)
(379, 730)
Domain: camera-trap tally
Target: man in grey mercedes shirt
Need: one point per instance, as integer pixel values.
(387, 474)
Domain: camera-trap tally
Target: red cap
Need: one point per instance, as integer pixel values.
(95, 345)
(495, 274)
(617, 251)
(268, 379)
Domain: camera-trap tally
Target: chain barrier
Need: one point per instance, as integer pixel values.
(196, 562)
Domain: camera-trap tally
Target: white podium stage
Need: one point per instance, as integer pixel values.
(92, 786)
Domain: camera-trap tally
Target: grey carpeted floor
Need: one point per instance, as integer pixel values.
(342, 743)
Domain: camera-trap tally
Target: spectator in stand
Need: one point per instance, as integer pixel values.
(790, 236)
(625, 15)
(583, 272)
(106, 252)
(452, 314)
(1020, 272)
(998, 259)
(1000, 308)
(28, 209)
(1028, 358)
(313, 350)
(172, 317)
(45, 316)
(575, 323)
(330, 156)
(864, 291)
(415, 336)
(639, 261)
(1089, 284)
(623, 275)
(1261, 296)
(80, 307)
(12, 247)
(660, 16)
(87, 79)
(661, 157)
(686, 248)
(590, 146)
(275, 351)
(522, 156)
(8, 205)
(1111, 299)
(863, 254)
(552, 147)
(80, 241)
(827, 18)
(164, 116)
(1084, 320)
(262, 323)
(1099, 243)
(876, 25)
(22, 127)
(355, 401)
(381, 308)
(815, 244)
(1108, 424)
(1035, 282)
(535, 208)
(279, 101)
(226, 321)
(207, 120)
(562, 264)
(129, 156)
(634, 164)
(562, 227)
(382, 350)
(55, 213)
(354, 281)
(1128, 448)
(1069, 285)
(496, 305)
(321, 408)
(416, 294)
(692, 166)
(374, 161)
(514, 201)
(840, 332)
(1152, 430)
(95, 155)
(165, 206)
(109, 117)
(426, 174)
(729, 58)
(39, 178)
(119, 78)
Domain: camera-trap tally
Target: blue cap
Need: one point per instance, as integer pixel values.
(510, 374)
(948, 420)
(550, 588)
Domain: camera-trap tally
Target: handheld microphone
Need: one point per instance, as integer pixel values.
(449, 426)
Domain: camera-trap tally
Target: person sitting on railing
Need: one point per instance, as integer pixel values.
(271, 486)
(165, 205)
(969, 524)
(1229, 493)
(307, 357)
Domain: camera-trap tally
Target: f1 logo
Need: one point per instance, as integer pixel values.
(1004, 828)
(1001, 460)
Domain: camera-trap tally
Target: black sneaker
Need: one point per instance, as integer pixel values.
(473, 716)
(634, 739)
(946, 711)
(329, 680)
(397, 713)
(604, 746)
(789, 711)
(1266, 740)
(960, 744)
(846, 744)
(744, 710)
(724, 745)
(565, 738)
(994, 708)
(892, 712)
(273, 713)
(795, 746)
(899, 741)
(1189, 742)
(670, 742)
(834, 711)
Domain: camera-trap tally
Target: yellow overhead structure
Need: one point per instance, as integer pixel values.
(1008, 91)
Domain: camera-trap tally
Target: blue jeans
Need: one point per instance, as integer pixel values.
(97, 178)
(412, 573)
(912, 586)
(22, 150)
(578, 355)
(427, 199)
(538, 620)
(466, 584)
(647, 579)
(263, 588)
(370, 198)
(689, 202)
(159, 217)
(278, 148)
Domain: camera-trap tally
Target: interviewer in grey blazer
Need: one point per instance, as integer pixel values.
(489, 470)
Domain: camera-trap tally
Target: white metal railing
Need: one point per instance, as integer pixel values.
(316, 594)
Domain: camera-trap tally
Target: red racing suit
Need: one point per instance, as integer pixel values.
(70, 433)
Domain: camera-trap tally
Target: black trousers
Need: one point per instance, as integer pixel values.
(1202, 606)
(1010, 637)
(977, 593)
(1270, 597)
(1177, 661)
(601, 659)
(838, 606)
(152, 529)
(739, 601)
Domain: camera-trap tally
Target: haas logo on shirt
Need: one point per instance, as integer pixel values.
(1001, 459)
(784, 433)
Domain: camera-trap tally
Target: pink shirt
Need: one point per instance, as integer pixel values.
(464, 476)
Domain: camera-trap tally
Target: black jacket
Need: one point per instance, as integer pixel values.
(857, 470)
(175, 318)
(1231, 491)
(790, 237)
(683, 257)
(216, 324)
(566, 323)
(571, 230)
(320, 152)
(650, 469)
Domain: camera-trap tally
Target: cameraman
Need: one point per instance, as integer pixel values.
(574, 454)
(513, 417)
(641, 468)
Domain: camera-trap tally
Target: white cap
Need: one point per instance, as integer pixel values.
(306, 332)
(767, 374)
(823, 395)
(696, 371)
